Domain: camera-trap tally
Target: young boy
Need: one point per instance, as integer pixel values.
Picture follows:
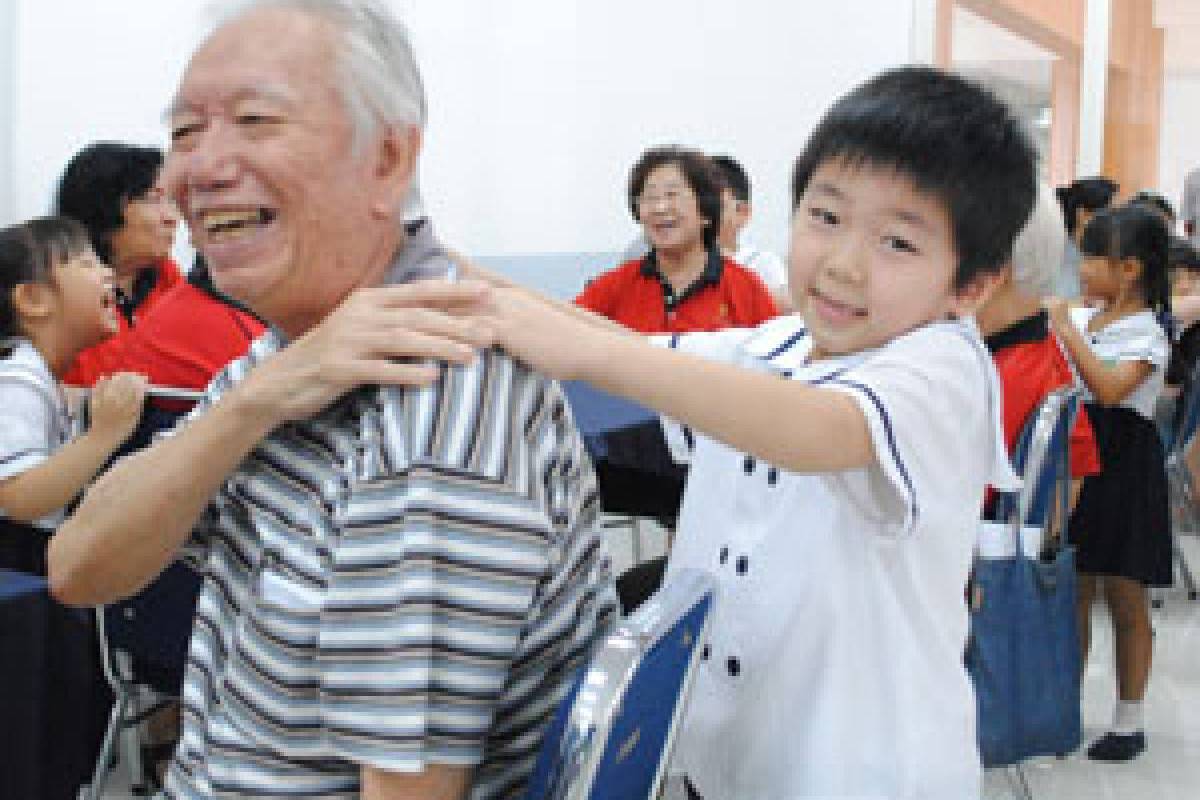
(836, 491)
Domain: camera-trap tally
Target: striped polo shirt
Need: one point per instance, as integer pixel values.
(411, 577)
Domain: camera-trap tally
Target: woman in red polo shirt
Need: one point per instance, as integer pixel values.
(684, 283)
(171, 331)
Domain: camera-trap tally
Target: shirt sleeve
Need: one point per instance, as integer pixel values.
(933, 416)
(1147, 342)
(466, 587)
(598, 294)
(26, 419)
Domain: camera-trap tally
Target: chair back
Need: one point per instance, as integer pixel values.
(612, 735)
(1041, 457)
(153, 627)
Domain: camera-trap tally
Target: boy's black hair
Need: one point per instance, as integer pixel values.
(97, 183)
(736, 179)
(698, 171)
(1155, 202)
(1183, 255)
(29, 251)
(1134, 231)
(953, 139)
(1089, 194)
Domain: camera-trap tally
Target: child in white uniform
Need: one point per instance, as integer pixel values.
(56, 299)
(839, 480)
(1121, 525)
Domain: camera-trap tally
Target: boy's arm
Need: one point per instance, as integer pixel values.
(1109, 383)
(791, 425)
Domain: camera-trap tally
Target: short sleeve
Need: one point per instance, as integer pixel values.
(933, 414)
(26, 422)
(1147, 342)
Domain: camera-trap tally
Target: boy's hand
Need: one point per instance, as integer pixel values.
(116, 406)
(534, 330)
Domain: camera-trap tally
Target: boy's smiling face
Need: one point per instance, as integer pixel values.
(871, 258)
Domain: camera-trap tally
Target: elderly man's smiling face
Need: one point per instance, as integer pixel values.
(290, 214)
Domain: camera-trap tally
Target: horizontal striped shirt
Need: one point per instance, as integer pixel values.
(411, 577)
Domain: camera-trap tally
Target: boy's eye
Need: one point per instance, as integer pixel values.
(899, 244)
(823, 216)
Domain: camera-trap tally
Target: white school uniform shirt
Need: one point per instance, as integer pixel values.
(765, 264)
(34, 421)
(1137, 337)
(834, 667)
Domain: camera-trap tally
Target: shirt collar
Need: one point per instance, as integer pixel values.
(711, 276)
(1033, 328)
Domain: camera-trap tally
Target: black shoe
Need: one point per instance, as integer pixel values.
(1117, 747)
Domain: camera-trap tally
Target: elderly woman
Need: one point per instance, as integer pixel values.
(684, 283)
(1016, 328)
(176, 333)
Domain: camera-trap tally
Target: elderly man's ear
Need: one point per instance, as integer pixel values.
(395, 167)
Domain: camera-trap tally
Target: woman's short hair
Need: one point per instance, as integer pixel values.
(701, 175)
(97, 183)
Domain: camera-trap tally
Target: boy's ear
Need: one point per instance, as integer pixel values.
(968, 299)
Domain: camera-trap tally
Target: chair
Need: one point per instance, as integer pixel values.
(1185, 506)
(611, 737)
(1023, 654)
(143, 641)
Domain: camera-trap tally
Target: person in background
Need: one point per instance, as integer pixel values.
(56, 299)
(1121, 524)
(684, 283)
(1080, 199)
(736, 211)
(1156, 203)
(1189, 207)
(1016, 327)
(114, 189)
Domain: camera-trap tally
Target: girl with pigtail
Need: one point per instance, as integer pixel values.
(1121, 524)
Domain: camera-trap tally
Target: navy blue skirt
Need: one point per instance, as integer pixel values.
(1122, 523)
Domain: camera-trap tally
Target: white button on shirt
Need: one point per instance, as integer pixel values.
(835, 666)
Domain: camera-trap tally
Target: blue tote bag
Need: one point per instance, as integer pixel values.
(1023, 651)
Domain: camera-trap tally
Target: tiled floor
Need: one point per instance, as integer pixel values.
(1168, 770)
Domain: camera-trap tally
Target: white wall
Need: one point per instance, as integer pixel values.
(1179, 150)
(538, 109)
(1179, 145)
(8, 64)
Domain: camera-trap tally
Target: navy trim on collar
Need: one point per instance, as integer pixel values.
(711, 276)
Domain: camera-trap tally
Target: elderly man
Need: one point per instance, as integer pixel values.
(400, 571)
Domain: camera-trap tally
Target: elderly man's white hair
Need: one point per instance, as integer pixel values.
(1038, 250)
(380, 82)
